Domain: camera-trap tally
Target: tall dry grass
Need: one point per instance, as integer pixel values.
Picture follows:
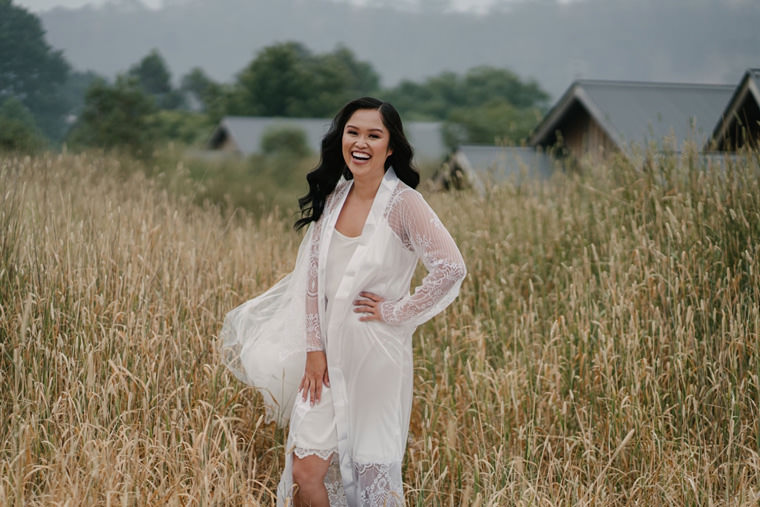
(604, 350)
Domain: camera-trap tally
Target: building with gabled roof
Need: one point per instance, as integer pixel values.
(478, 166)
(602, 117)
(739, 125)
(242, 135)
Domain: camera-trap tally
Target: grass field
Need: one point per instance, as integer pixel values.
(605, 348)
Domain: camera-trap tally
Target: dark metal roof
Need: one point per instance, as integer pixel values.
(637, 113)
(749, 88)
(247, 131)
(494, 164)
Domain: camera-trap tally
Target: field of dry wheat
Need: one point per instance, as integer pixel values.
(605, 348)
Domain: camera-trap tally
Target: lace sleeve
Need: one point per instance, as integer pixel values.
(420, 229)
(313, 327)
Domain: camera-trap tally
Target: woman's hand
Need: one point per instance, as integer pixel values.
(369, 305)
(314, 376)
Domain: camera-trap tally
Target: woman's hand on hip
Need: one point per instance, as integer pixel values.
(368, 304)
(315, 375)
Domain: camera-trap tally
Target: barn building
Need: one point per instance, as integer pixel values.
(242, 135)
(479, 166)
(739, 125)
(598, 118)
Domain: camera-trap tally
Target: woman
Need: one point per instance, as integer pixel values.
(349, 297)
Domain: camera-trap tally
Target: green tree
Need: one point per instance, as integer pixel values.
(30, 70)
(438, 96)
(74, 89)
(18, 131)
(335, 78)
(486, 105)
(432, 100)
(274, 82)
(118, 116)
(483, 84)
(286, 79)
(284, 140)
(186, 127)
(153, 76)
(495, 122)
(211, 96)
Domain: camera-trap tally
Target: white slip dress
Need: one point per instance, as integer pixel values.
(313, 426)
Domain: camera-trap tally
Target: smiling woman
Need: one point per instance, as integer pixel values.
(342, 321)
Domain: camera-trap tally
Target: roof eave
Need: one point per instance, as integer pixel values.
(546, 127)
(555, 115)
(746, 86)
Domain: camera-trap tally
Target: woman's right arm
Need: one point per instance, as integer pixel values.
(315, 373)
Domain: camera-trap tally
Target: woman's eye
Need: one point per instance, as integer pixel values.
(374, 136)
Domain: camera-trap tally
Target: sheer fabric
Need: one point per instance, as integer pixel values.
(369, 363)
(419, 230)
(313, 326)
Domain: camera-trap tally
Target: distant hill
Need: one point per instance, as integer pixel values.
(676, 40)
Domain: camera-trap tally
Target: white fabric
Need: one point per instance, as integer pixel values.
(313, 426)
(369, 363)
(341, 249)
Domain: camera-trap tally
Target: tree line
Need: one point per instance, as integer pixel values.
(43, 102)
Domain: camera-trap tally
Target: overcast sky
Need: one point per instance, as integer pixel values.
(42, 5)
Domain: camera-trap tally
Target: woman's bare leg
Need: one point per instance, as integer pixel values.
(309, 473)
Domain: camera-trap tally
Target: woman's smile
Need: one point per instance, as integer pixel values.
(366, 144)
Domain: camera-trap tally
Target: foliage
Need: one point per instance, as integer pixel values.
(436, 97)
(290, 141)
(495, 122)
(211, 96)
(286, 79)
(485, 105)
(18, 132)
(185, 127)
(30, 70)
(116, 116)
(604, 349)
(75, 88)
(154, 78)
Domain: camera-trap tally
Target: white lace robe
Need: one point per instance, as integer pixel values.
(370, 363)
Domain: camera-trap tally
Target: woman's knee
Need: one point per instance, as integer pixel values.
(310, 470)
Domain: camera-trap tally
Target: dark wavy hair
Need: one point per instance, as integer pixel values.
(323, 179)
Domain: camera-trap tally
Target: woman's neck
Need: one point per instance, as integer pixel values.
(365, 188)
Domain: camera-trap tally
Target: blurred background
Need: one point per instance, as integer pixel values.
(249, 86)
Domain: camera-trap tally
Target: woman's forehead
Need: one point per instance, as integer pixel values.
(369, 119)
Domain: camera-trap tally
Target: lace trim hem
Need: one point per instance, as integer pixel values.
(302, 452)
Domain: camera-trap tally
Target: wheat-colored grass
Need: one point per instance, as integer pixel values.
(604, 350)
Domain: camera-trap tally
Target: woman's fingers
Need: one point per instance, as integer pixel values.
(316, 366)
(311, 388)
(316, 394)
(368, 306)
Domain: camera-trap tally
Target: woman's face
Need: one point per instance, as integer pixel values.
(366, 144)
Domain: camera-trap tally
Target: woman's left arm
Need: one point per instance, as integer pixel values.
(440, 255)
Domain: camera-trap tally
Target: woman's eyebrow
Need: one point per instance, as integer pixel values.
(349, 126)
